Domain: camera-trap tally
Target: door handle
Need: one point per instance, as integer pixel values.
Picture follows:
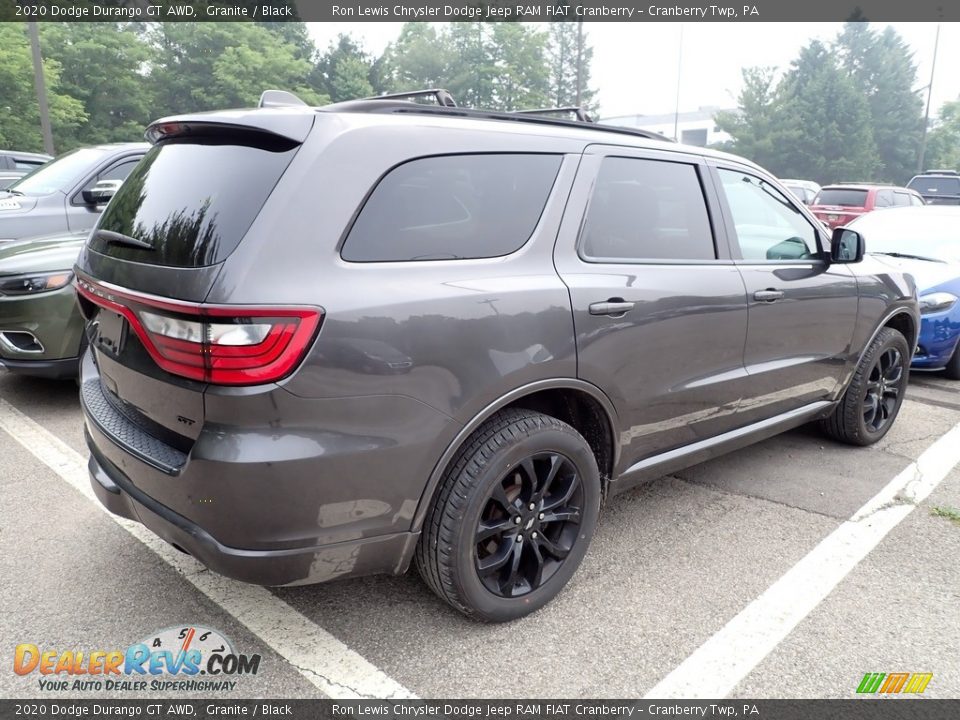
(613, 306)
(768, 295)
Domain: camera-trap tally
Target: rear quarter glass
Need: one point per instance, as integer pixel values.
(190, 202)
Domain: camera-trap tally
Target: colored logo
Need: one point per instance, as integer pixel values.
(181, 653)
(913, 683)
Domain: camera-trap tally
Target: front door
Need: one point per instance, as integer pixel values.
(802, 310)
(659, 307)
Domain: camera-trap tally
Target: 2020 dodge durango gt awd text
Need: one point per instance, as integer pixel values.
(335, 341)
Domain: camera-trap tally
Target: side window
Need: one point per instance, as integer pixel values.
(647, 210)
(916, 200)
(453, 207)
(768, 225)
(27, 165)
(901, 198)
(884, 198)
(119, 171)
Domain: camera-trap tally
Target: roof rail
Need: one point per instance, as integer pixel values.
(375, 105)
(279, 98)
(443, 98)
(577, 111)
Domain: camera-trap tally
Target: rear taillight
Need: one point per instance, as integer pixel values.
(219, 344)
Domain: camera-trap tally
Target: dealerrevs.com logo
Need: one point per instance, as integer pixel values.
(188, 659)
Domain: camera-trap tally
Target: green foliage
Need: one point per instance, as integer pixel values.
(344, 71)
(207, 66)
(19, 112)
(943, 142)
(562, 59)
(881, 66)
(104, 67)
(841, 113)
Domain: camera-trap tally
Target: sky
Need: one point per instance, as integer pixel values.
(635, 64)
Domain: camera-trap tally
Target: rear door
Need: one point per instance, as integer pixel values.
(802, 310)
(659, 308)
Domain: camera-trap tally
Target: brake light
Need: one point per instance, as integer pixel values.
(218, 344)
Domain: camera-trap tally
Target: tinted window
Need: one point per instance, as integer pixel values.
(647, 210)
(842, 197)
(936, 185)
(768, 225)
(453, 207)
(118, 171)
(62, 173)
(27, 164)
(192, 202)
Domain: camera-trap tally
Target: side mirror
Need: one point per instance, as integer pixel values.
(101, 193)
(846, 246)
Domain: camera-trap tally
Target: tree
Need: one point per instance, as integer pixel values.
(943, 142)
(104, 67)
(19, 113)
(756, 126)
(521, 80)
(561, 55)
(881, 67)
(419, 58)
(344, 71)
(207, 66)
(829, 134)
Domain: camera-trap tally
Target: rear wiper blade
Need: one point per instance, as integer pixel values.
(910, 257)
(115, 238)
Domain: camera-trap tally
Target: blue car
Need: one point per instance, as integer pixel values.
(924, 241)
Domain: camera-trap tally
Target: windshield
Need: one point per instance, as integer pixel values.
(60, 174)
(843, 198)
(936, 185)
(929, 235)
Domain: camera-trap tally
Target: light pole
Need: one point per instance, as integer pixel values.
(41, 86)
(676, 107)
(926, 115)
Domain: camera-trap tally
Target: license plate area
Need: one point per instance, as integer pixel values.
(111, 332)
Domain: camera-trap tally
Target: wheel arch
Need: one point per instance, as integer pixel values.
(578, 403)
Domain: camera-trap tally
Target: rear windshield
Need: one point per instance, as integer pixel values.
(191, 202)
(844, 198)
(453, 207)
(936, 185)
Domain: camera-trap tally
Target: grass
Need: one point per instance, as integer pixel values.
(950, 513)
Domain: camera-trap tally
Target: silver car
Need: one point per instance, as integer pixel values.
(66, 194)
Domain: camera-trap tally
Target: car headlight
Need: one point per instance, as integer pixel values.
(34, 283)
(936, 302)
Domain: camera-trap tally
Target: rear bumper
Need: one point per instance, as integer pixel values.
(51, 369)
(291, 566)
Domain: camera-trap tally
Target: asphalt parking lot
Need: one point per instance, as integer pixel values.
(744, 576)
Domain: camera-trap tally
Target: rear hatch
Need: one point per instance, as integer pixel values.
(839, 206)
(937, 189)
(155, 255)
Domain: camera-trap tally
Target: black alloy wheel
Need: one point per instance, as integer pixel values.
(529, 524)
(884, 385)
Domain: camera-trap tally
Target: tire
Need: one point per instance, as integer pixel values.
(869, 407)
(489, 481)
(952, 370)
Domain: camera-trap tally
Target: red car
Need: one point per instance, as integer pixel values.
(837, 205)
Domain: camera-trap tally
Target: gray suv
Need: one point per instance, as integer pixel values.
(328, 342)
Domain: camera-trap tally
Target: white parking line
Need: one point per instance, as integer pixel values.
(715, 668)
(335, 669)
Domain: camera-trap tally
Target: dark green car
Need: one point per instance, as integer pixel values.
(41, 330)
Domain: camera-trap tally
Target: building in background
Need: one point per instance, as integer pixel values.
(692, 128)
